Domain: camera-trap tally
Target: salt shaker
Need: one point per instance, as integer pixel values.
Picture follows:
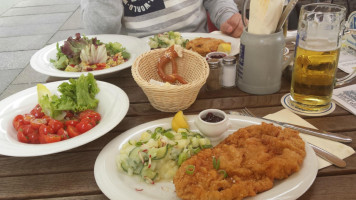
(214, 78)
(228, 71)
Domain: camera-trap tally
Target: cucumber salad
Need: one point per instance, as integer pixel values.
(157, 154)
(167, 39)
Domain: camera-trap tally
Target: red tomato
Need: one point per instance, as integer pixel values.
(49, 138)
(36, 123)
(69, 114)
(100, 66)
(34, 137)
(44, 130)
(22, 137)
(63, 134)
(27, 118)
(72, 131)
(90, 114)
(55, 124)
(85, 125)
(71, 122)
(37, 111)
(26, 129)
(18, 121)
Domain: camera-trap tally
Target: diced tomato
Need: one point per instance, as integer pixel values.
(37, 111)
(18, 121)
(85, 125)
(71, 122)
(69, 115)
(44, 130)
(49, 138)
(55, 124)
(72, 131)
(63, 134)
(90, 114)
(36, 123)
(26, 129)
(27, 118)
(34, 137)
(100, 66)
(22, 137)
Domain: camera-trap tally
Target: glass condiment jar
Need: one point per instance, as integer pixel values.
(228, 71)
(214, 79)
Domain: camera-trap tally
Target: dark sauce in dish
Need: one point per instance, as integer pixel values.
(210, 117)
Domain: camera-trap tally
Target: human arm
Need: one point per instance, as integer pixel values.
(224, 14)
(102, 16)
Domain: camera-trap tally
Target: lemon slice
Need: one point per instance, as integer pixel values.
(224, 47)
(179, 121)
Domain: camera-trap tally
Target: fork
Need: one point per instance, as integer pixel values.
(318, 151)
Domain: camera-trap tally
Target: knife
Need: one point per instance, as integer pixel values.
(314, 132)
(328, 156)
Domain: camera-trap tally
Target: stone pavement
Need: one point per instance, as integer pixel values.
(25, 27)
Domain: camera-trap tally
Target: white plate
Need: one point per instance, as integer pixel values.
(113, 106)
(235, 42)
(118, 185)
(40, 61)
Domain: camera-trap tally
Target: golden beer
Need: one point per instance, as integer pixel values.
(313, 77)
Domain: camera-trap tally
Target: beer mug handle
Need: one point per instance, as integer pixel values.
(287, 60)
(345, 79)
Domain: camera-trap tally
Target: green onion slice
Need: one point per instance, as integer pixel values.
(221, 171)
(216, 163)
(190, 169)
(207, 146)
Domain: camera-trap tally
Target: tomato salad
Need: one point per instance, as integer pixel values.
(59, 118)
(38, 128)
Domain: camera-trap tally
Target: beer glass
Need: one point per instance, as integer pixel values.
(317, 54)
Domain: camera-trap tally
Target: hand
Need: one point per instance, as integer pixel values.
(233, 26)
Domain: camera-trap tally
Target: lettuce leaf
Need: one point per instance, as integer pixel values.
(76, 95)
(73, 46)
(114, 47)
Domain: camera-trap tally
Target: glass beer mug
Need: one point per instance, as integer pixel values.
(317, 55)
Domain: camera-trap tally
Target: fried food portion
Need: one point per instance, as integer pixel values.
(204, 46)
(252, 158)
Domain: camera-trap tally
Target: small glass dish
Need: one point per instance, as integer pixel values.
(213, 130)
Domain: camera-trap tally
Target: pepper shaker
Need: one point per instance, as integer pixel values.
(229, 71)
(214, 79)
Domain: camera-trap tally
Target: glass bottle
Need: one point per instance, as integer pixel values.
(214, 78)
(229, 71)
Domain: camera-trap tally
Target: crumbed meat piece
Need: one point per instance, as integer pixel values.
(204, 46)
(252, 158)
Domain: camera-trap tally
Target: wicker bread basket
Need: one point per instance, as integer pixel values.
(171, 98)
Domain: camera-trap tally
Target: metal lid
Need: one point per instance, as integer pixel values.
(213, 62)
(229, 60)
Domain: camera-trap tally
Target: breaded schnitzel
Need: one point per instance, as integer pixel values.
(204, 46)
(252, 158)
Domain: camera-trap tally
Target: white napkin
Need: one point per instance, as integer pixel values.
(340, 150)
(264, 16)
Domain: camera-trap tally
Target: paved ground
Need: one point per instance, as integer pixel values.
(25, 27)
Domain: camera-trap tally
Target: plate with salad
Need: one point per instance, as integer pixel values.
(59, 116)
(122, 169)
(97, 54)
(169, 38)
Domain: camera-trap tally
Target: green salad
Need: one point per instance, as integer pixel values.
(157, 154)
(81, 54)
(167, 39)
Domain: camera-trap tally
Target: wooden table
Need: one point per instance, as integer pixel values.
(69, 174)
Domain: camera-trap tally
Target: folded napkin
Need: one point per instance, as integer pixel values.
(264, 16)
(336, 148)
